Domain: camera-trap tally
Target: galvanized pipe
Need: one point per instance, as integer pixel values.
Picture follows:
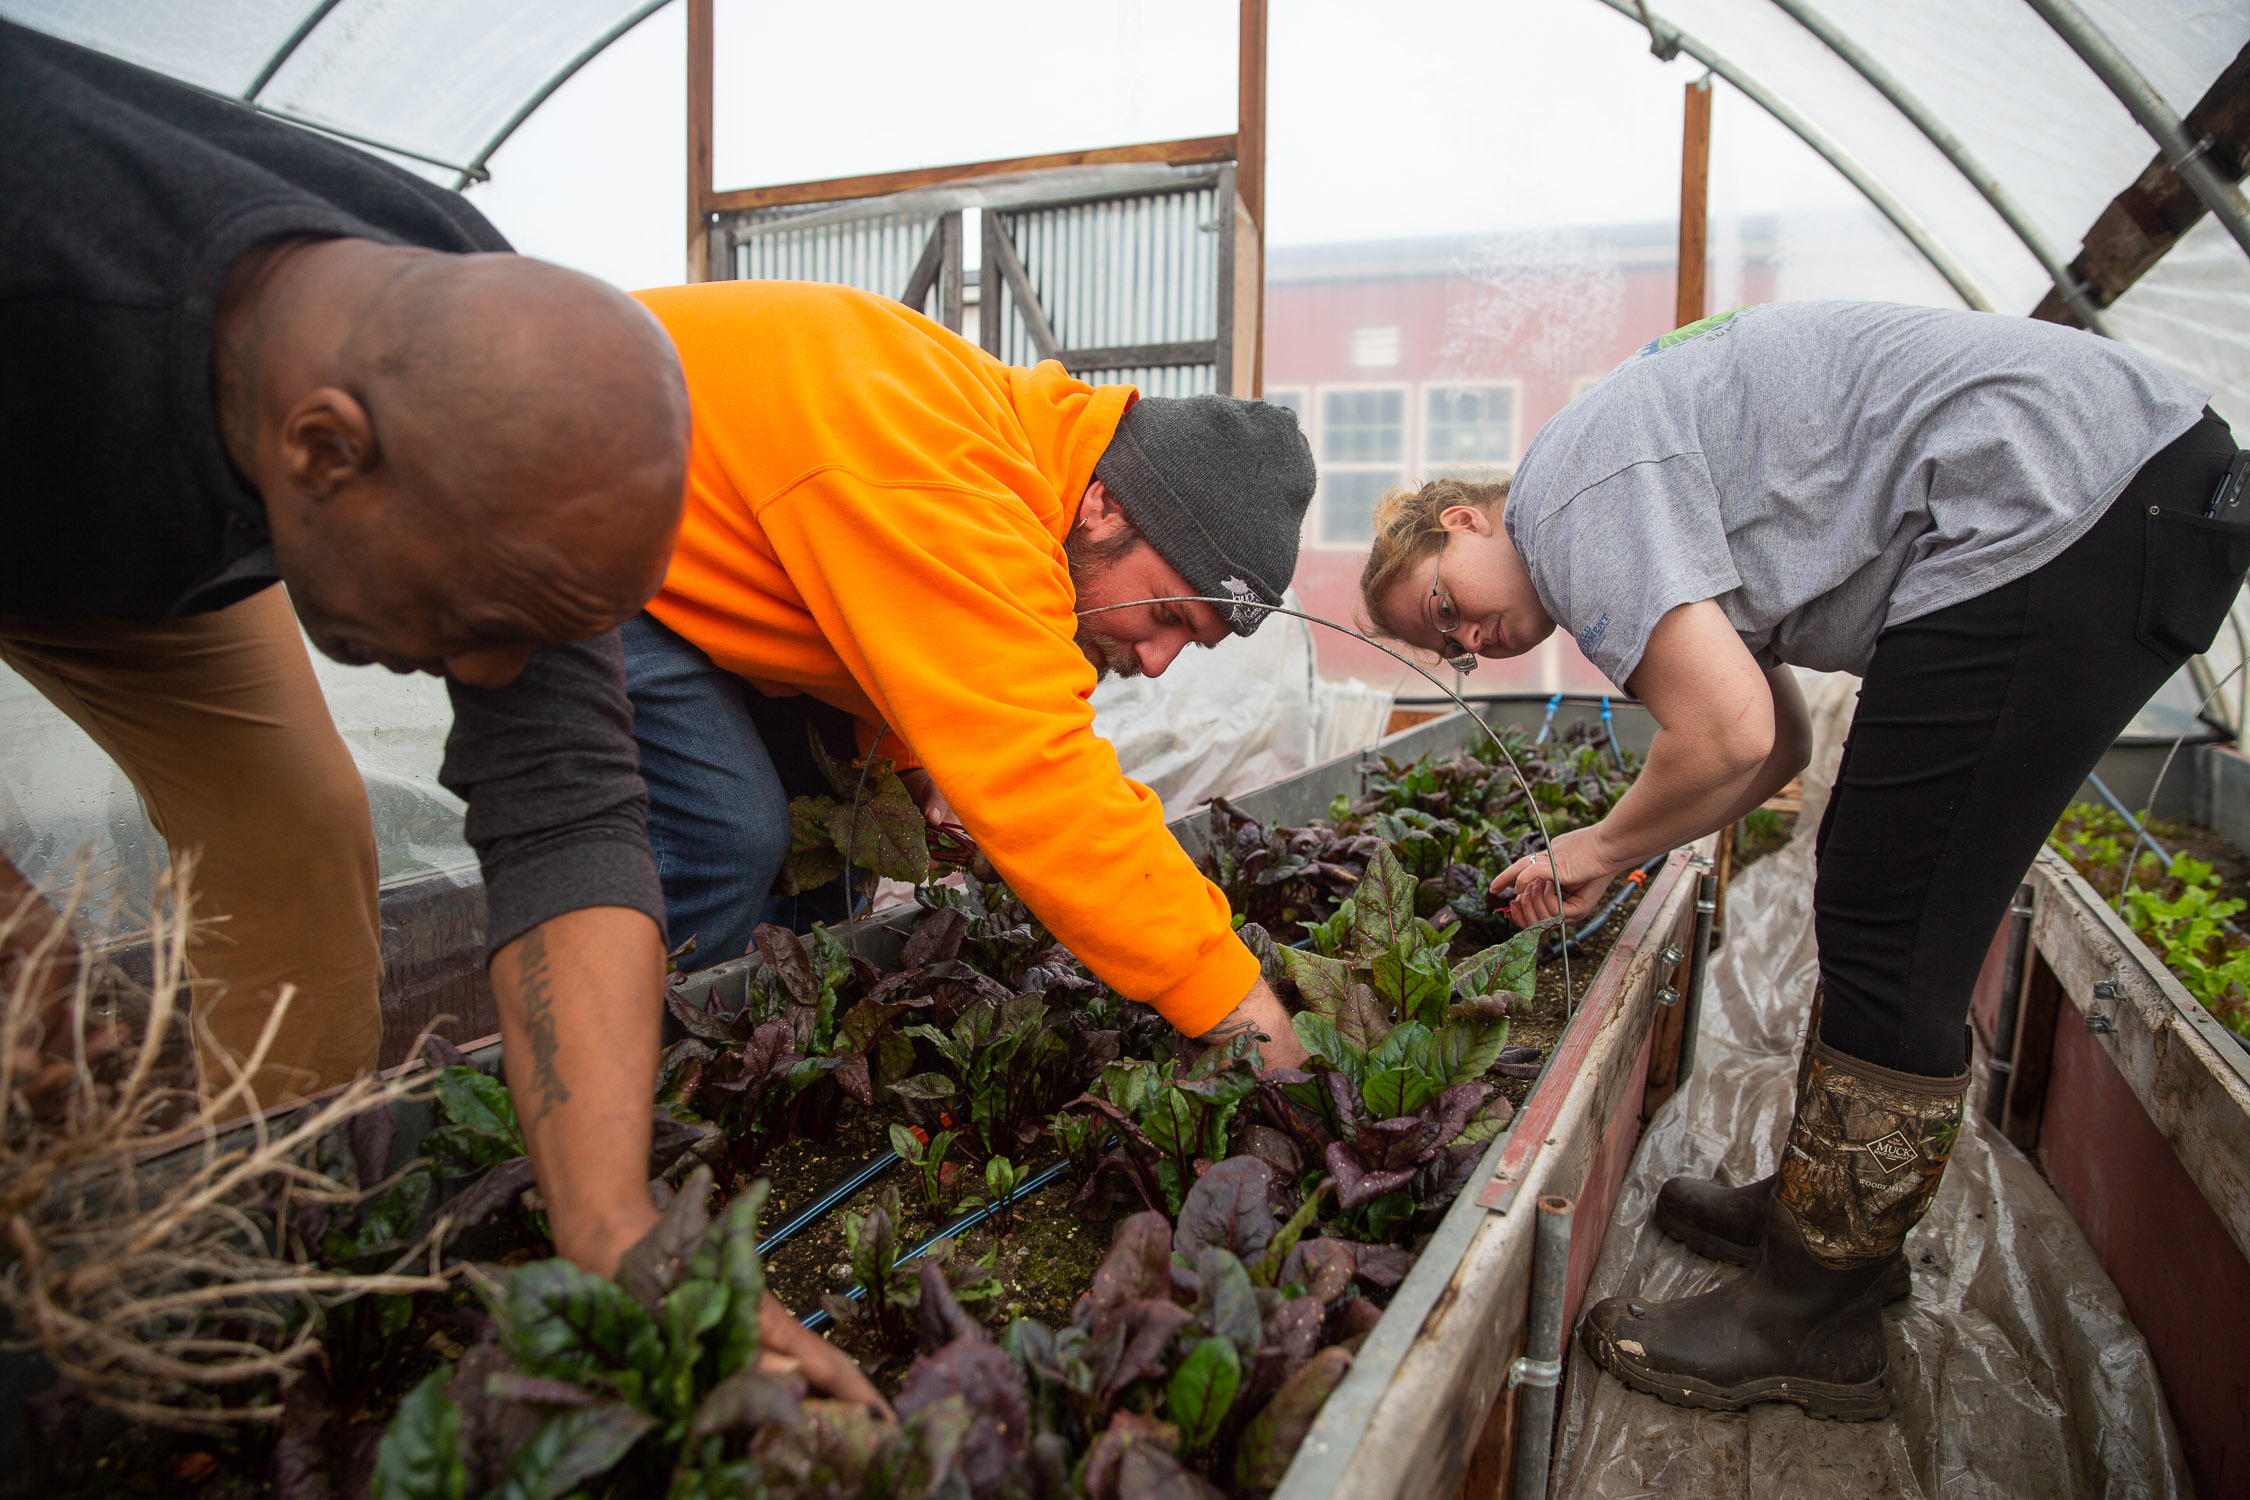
(2011, 992)
(1956, 151)
(1669, 41)
(1539, 1371)
(1706, 912)
(2133, 90)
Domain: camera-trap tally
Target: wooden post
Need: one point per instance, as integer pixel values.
(1695, 193)
(699, 175)
(1250, 183)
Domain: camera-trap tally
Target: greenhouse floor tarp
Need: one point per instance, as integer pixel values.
(2015, 1368)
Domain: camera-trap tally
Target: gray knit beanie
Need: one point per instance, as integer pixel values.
(1219, 487)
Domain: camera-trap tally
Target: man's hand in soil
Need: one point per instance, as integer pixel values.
(1261, 1010)
(787, 1347)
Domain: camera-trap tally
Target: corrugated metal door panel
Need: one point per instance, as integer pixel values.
(1121, 272)
(876, 254)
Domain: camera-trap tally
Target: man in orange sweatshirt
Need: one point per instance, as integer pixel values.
(885, 518)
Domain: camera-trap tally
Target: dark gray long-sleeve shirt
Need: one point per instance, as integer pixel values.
(125, 198)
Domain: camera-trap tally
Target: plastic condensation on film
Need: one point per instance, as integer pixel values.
(60, 795)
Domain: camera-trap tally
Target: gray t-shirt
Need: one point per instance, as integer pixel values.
(1826, 469)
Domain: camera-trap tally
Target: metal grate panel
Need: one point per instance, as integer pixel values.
(876, 254)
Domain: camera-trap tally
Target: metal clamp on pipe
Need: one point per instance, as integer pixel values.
(1539, 1371)
(1529, 1371)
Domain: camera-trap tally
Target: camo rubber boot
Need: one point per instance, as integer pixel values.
(1722, 1221)
(1804, 1323)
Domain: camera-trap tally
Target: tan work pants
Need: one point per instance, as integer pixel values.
(220, 725)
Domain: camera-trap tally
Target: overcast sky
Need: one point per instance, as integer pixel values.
(1471, 116)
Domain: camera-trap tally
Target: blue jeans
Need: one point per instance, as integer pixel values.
(718, 797)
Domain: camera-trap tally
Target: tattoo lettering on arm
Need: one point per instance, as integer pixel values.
(539, 1022)
(1236, 1024)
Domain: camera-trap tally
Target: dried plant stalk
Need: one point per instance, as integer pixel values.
(144, 1240)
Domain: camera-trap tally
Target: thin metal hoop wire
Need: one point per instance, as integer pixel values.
(2133, 863)
(1531, 800)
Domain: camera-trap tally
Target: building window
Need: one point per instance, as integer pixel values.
(1468, 431)
(1362, 454)
(1375, 347)
(1293, 397)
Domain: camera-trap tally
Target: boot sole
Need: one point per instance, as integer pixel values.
(1863, 1401)
(1897, 1284)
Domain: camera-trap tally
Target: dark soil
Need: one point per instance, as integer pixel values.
(802, 1170)
(1043, 1259)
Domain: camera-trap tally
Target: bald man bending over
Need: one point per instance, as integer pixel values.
(245, 368)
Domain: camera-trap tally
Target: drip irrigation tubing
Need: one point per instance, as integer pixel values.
(1547, 725)
(818, 1318)
(813, 1212)
(1635, 881)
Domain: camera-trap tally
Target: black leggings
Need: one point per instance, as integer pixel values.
(1976, 725)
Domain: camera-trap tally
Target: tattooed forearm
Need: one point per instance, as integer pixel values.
(1237, 1023)
(537, 981)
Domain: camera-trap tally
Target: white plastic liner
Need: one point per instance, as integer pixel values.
(1250, 711)
(61, 797)
(2015, 1369)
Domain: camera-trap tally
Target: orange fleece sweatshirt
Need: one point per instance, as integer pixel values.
(875, 516)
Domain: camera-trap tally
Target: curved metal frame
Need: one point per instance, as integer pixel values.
(2133, 90)
(1669, 40)
(1964, 160)
(476, 167)
(475, 170)
(287, 49)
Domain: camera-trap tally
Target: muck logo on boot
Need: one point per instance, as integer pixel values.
(1892, 1151)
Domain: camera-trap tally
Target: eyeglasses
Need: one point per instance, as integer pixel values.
(1444, 616)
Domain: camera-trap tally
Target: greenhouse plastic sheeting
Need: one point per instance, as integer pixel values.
(2015, 1369)
(441, 81)
(61, 797)
(2048, 132)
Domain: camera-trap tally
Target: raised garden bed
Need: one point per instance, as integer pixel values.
(1295, 1210)
(2135, 1099)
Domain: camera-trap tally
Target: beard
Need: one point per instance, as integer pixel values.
(1108, 655)
(1089, 561)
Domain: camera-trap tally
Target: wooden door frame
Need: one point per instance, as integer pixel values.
(1246, 149)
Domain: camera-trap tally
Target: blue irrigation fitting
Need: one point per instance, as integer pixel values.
(818, 1318)
(1609, 727)
(813, 1212)
(1554, 706)
(1635, 882)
